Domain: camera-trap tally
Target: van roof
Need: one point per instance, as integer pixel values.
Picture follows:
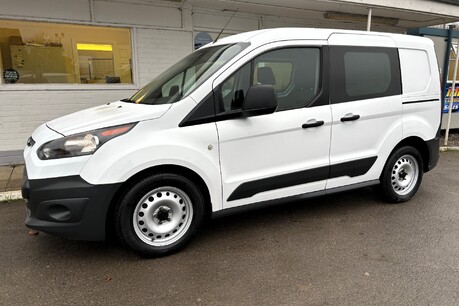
(261, 37)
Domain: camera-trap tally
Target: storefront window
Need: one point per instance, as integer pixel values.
(42, 53)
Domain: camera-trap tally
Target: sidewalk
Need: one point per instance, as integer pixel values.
(453, 141)
(10, 182)
(11, 177)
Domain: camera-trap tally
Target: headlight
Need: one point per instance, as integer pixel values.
(81, 144)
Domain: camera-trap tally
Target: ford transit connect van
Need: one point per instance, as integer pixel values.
(253, 118)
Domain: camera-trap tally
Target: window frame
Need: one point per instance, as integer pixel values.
(207, 109)
(337, 76)
(135, 85)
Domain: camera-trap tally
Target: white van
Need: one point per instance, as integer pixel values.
(250, 119)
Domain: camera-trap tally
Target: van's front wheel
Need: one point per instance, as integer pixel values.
(402, 175)
(159, 214)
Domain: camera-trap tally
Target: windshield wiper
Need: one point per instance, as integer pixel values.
(127, 100)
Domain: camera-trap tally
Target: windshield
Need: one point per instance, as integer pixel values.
(182, 78)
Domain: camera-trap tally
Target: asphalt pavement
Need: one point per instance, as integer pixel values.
(346, 249)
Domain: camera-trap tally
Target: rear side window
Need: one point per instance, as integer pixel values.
(366, 73)
(360, 73)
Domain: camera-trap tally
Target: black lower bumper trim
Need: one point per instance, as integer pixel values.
(434, 153)
(68, 206)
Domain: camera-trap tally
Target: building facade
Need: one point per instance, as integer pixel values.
(60, 56)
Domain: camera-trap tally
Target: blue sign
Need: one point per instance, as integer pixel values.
(448, 98)
(201, 39)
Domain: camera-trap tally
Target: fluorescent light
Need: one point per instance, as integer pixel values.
(94, 47)
(360, 18)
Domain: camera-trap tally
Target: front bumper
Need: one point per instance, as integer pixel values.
(68, 206)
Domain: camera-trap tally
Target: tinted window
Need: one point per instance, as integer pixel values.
(363, 73)
(294, 73)
(366, 73)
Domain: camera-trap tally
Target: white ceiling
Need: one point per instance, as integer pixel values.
(411, 14)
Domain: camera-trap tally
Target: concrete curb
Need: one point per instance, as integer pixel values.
(444, 149)
(10, 195)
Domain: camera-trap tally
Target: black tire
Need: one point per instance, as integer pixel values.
(395, 175)
(134, 236)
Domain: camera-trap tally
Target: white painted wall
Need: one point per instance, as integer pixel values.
(137, 14)
(23, 111)
(159, 49)
(76, 10)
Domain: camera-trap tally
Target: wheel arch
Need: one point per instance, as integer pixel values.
(419, 144)
(168, 168)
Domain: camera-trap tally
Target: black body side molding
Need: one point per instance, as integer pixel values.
(352, 169)
(248, 189)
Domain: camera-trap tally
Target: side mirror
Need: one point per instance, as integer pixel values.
(260, 100)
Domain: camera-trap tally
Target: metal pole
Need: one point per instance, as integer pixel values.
(444, 79)
(370, 11)
(453, 90)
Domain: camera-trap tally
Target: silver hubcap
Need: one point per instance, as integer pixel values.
(404, 174)
(163, 216)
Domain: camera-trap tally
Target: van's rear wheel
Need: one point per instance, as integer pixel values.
(159, 214)
(402, 175)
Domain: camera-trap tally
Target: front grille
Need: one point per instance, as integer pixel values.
(30, 142)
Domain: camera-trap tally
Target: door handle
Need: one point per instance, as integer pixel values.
(312, 123)
(350, 117)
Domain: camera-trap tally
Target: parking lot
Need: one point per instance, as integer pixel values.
(349, 248)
